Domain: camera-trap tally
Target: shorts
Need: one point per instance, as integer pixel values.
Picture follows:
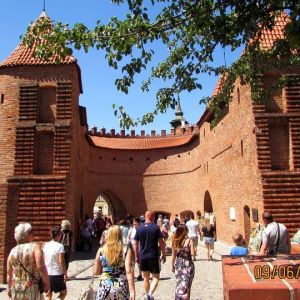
(150, 265)
(194, 241)
(57, 283)
(209, 240)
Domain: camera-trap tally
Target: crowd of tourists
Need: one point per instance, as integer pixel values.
(37, 269)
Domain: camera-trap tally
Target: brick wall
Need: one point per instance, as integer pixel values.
(222, 164)
(43, 153)
(3, 210)
(35, 156)
(49, 170)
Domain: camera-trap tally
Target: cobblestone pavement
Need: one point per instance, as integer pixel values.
(207, 284)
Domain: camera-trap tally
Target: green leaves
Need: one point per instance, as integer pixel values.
(191, 31)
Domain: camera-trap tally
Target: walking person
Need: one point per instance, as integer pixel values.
(124, 229)
(55, 264)
(67, 240)
(89, 223)
(99, 224)
(182, 262)
(174, 226)
(104, 233)
(208, 231)
(115, 267)
(131, 241)
(163, 229)
(26, 267)
(147, 238)
(275, 237)
(194, 233)
(166, 222)
(86, 238)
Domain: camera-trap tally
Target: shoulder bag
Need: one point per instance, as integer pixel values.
(88, 293)
(39, 282)
(274, 251)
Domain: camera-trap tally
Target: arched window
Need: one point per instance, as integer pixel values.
(207, 203)
(247, 228)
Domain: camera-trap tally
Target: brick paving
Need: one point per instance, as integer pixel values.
(207, 284)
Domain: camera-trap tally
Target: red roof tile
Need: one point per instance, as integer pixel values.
(141, 143)
(266, 42)
(219, 85)
(23, 55)
(269, 37)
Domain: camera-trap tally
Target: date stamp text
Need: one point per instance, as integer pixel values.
(280, 271)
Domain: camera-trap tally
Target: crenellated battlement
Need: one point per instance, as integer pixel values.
(187, 130)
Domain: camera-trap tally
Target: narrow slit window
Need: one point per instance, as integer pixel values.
(2, 98)
(242, 147)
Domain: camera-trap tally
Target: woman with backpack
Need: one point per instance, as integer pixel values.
(66, 240)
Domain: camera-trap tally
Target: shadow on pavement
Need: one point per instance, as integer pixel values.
(85, 254)
(82, 278)
(164, 278)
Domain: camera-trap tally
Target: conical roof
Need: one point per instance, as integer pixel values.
(23, 54)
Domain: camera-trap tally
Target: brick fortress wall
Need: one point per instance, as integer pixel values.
(38, 106)
(51, 170)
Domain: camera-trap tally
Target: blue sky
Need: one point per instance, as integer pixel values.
(99, 91)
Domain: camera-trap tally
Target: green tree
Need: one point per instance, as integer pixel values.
(191, 31)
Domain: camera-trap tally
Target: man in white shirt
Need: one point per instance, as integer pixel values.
(194, 233)
(55, 264)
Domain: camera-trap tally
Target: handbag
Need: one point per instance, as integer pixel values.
(41, 286)
(39, 282)
(88, 293)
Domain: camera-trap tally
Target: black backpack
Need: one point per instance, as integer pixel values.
(66, 241)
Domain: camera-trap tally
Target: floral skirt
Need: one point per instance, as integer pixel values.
(116, 289)
(184, 273)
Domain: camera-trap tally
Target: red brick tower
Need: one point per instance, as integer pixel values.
(38, 100)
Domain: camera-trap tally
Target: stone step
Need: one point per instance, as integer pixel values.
(285, 190)
(281, 197)
(283, 205)
(281, 185)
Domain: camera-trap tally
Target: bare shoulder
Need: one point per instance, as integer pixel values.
(187, 243)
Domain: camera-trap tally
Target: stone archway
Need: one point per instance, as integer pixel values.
(208, 208)
(111, 205)
(104, 205)
(247, 228)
